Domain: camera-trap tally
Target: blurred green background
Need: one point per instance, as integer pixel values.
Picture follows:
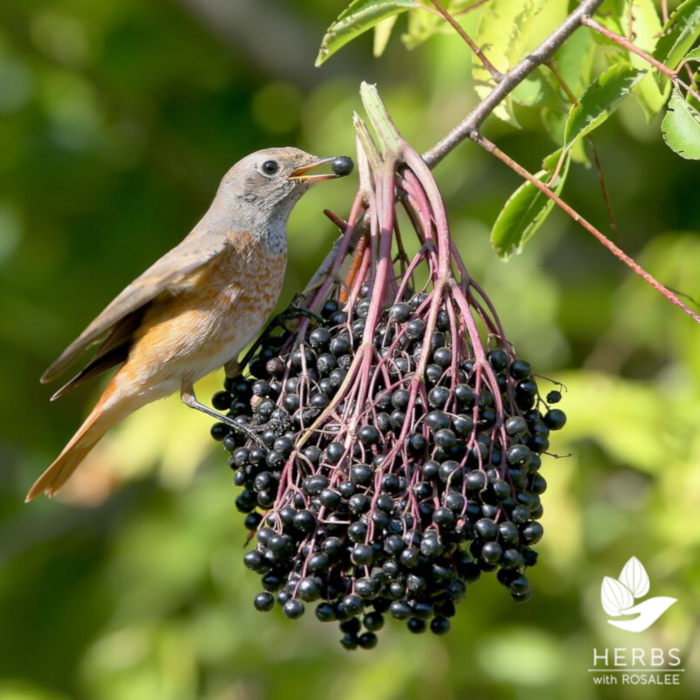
(117, 120)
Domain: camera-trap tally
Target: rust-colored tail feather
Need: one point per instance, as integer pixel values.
(100, 420)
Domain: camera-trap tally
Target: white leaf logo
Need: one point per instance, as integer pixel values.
(615, 596)
(634, 576)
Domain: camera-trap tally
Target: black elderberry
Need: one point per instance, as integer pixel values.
(455, 501)
(486, 529)
(498, 359)
(369, 435)
(352, 605)
(416, 443)
(221, 401)
(264, 601)
(491, 552)
(293, 609)
(415, 329)
(444, 517)
(348, 488)
(445, 438)
(511, 559)
(219, 431)
(433, 373)
(325, 612)
(373, 621)
(400, 399)
(555, 418)
(330, 306)
(518, 455)
(400, 610)
(438, 396)
(519, 369)
(462, 425)
(318, 562)
(332, 547)
(400, 312)
(339, 345)
(508, 533)
(440, 625)
(442, 357)
(554, 397)
(450, 472)
(532, 532)
(437, 420)
(359, 503)
(416, 625)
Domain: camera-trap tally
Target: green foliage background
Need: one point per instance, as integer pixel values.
(117, 120)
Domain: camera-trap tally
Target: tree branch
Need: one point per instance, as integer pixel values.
(511, 80)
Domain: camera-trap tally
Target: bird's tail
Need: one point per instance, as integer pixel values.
(105, 414)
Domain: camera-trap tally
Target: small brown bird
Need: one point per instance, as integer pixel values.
(197, 307)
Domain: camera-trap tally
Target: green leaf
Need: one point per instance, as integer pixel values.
(641, 20)
(681, 127)
(526, 209)
(574, 61)
(599, 101)
(382, 34)
(500, 37)
(679, 33)
(421, 27)
(357, 18)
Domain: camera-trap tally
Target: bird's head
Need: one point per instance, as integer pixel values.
(271, 181)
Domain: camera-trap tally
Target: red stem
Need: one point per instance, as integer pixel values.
(617, 252)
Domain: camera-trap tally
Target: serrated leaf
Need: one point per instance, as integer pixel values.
(574, 61)
(526, 210)
(500, 37)
(679, 33)
(599, 101)
(615, 597)
(382, 34)
(634, 577)
(358, 17)
(681, 127)
(641, 20)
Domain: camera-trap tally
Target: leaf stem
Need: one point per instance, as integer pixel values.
(494, 72)
(602, 238)
(626, 44)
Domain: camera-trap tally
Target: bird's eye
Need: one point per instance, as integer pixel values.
(270, 167)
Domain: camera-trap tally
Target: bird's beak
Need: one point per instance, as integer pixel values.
(301, 173)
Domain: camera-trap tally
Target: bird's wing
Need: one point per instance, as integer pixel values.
(114, 350)
(192, 253)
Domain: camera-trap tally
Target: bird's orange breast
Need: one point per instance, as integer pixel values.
(209, 318)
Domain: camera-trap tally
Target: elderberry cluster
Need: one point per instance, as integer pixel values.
(395, 514)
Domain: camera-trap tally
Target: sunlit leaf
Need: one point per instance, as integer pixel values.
(600, 100)
(679, 33)
(641, 20)
(574, 61)
(526, 210)
(500, 37)
(634, 577)
(681, 127)
(357, 18)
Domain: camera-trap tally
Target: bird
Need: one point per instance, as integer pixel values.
(196, 307)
